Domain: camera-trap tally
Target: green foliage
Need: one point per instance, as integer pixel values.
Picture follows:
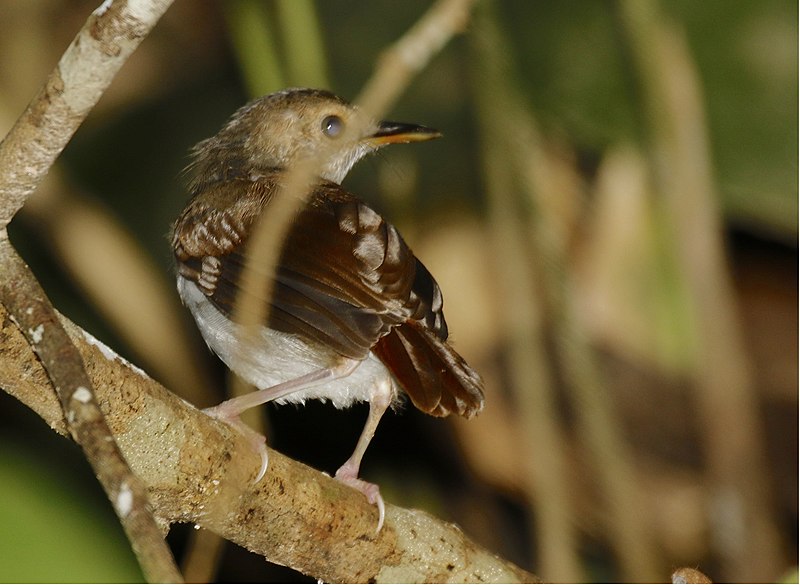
(40, 505)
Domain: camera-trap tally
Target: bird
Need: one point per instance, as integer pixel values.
(354, 315)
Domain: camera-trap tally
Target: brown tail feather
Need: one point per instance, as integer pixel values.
(434, 376)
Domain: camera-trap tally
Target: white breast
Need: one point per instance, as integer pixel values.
(278, 357)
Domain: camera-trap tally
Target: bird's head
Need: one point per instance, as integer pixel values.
(278, 130)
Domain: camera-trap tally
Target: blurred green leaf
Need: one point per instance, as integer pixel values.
(51, 532)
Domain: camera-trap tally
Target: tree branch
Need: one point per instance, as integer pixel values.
(199, 470)
(183, 457)
(88, 66)
(28, 306)
(86, 69)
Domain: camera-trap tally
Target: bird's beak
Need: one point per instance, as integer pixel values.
(400, 133)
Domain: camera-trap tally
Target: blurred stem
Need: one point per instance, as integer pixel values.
(598, 425)
(543, 451)
(520, 151)
(203, 554)
(744, 533)
(410, 54)
(304, 47)
(255, 45)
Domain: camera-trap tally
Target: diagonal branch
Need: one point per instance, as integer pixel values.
(183, 457)
(30, 309)
(201, 471)
(86, 69)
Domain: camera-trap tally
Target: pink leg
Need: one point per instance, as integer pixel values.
(230, 410)
(236, 406)
(348, 473)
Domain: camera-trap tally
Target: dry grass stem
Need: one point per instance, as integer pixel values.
(744, 530)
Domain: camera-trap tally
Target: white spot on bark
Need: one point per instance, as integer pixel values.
(101, 10)
(82, 394)
(37, 334)
(124, 502)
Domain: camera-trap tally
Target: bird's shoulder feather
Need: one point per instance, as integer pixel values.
(345, 273)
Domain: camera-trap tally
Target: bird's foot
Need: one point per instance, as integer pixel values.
(257, 441)
(348, 476)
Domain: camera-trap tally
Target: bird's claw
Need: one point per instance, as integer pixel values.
(370, 490)
(257, 441)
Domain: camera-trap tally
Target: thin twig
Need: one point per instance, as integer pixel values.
(411, 54)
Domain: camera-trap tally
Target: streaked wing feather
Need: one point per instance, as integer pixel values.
(332, 298)
(366, 292)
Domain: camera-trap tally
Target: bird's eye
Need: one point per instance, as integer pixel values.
(332, 126)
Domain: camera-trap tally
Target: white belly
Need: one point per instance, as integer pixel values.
(278, 357)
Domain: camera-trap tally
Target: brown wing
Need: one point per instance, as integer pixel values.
(434, 376)
(346, 279)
